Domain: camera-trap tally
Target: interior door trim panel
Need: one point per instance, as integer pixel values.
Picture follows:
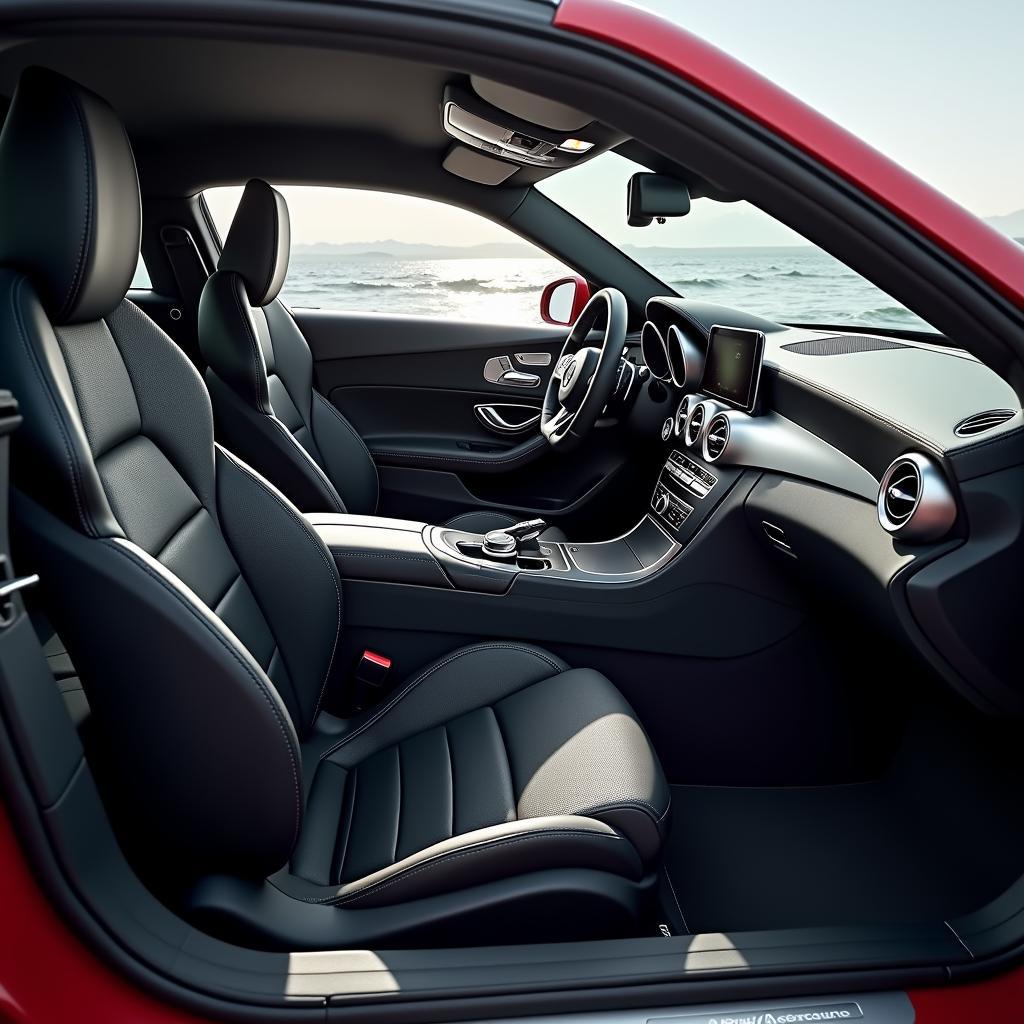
(337, 335)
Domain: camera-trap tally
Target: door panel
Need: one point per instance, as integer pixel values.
(413, 388)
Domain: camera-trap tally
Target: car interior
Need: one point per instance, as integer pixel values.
(659, 640)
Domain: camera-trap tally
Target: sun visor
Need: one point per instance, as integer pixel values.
(473, 166)
(536, 109)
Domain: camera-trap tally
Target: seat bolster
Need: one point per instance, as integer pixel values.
(478, 857)
(55, 464)
(305, 621)
(463, 680)
(263, 442)
(229, 341)
(349, 463)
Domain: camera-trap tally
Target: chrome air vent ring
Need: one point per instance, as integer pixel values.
(655, 355)
(679, 424)
(694, 424)
(716, 437)
(915, 502)
(685, 360)
(981, 422)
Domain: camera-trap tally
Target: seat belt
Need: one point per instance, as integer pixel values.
(190, 274)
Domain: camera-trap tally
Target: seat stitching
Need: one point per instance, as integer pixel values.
(406, 690)
(75, 284)
(84, 516)
(675, 899)
(215, 608)
(272, 263)
(229, 647)
(631, 803)
(332, 492)
(451, 775)
(481, 847)
(310, 536)
(355, 433)
(176, 532)
(508, 759)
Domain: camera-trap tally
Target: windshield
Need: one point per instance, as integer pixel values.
(729, 253)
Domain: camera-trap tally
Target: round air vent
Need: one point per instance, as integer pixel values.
(914, 500)
(982, 421)
(680, 421)
(652, 348)
(694, 424)
(716, 440)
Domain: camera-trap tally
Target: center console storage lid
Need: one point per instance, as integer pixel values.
(374, 548)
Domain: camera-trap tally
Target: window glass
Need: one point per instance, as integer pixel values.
(388, 253)
(728, 253)
(141, 278)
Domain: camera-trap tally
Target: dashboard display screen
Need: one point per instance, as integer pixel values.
(732, 370)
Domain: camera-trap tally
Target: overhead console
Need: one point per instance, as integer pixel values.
(499, 130)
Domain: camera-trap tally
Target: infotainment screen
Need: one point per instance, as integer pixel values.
(732, 370)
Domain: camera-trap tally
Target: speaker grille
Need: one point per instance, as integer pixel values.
(841, 345)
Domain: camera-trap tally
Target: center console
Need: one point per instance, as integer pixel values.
(396, 551)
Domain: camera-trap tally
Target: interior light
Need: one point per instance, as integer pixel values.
(576, 146)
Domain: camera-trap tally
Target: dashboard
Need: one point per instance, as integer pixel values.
(888, 468)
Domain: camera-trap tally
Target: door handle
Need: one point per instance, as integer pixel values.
(518, 379)
(498, 370)
(507, 419)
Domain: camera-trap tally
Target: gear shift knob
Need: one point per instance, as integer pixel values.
(506, 543)
(500, 544)
(528, 529)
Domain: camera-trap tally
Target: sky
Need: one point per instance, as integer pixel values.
(934, 84)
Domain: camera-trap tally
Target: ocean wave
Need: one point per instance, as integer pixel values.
(885, 314)
(699, 282)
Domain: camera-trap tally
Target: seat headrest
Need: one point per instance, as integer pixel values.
(70, 211)
(258, 240)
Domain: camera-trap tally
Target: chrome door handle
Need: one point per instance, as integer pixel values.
(498, 370)
(518, 379)
(491, 418)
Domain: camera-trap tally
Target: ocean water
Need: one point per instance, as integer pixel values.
(785, 283)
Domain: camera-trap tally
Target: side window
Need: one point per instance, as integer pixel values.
(381, 252)
(141, 278)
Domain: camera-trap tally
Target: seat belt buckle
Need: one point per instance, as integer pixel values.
(371, 677)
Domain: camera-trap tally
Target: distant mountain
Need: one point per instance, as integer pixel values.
(390, 248)
(1011, 224)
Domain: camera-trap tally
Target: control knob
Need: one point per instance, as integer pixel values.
(661, 503)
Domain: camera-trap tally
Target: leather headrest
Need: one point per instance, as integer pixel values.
(257, 244)
(70, 212)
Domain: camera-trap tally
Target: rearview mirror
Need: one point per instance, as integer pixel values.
(654, 197)
(563, 300)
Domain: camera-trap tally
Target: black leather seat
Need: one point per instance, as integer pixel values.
(260, 376)
(497, 795)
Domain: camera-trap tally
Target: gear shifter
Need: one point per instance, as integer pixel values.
(507, 543)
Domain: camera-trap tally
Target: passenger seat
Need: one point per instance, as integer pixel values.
(260, 377)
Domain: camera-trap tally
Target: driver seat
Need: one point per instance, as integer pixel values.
(260, 377)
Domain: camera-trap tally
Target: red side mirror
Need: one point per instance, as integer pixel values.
(563, 300)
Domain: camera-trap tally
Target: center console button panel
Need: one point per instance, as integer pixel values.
(696, 479)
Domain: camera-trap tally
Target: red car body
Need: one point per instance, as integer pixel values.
(47, 974)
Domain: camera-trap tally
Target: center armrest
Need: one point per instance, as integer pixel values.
(374, 548)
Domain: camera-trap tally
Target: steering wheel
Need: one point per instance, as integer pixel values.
(584, 376)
